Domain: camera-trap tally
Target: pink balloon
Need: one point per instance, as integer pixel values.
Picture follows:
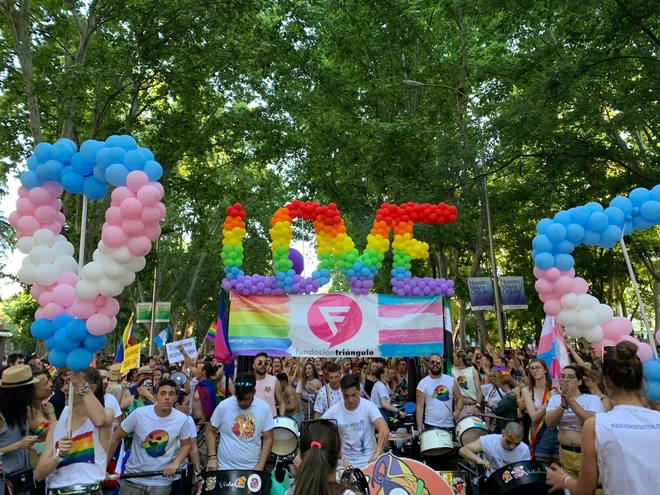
(60, 218)
(38, 314)
(552, 308)
(538, 273)
(55, 203)
(13, 218)
(628, 338)
(113, 215)
(39, 196)
(149, 195)
(54, 227)
(52, 311)
(36, 290)
(601, 344)
(23, 192)
(28, 225)
(55, 189)
(120, 194)
(152, 232)
(64, 295)
(98, 324)
(68, 278)
(83, 309)
(150, 215)
(68, 311)
(162, 209)
(644, 351)
(136, 179)
(25, 207)
(45, 214)
(139, 246)
(549, 297)
(564, 285)
(100, 301)
(51, 287)
(552, 275)
(542, 286)
(114, 237)
(131, 208)
(45, 299)
(617, 328)
(158, 186)
(569, 273)
(113, 323)
(580, 286)
(132, 228)
(111, 307)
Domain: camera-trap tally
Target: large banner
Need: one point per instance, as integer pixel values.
(336, 325)
(512, 290)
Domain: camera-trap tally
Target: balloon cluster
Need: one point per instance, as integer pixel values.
(565, 296)
(78, 310)
(336, 248)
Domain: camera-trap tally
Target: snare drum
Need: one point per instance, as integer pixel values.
(470, 429)
(518, 478)
(435, 442)
(236, 482)
(285, 436)
(77, 490)
(459, 481)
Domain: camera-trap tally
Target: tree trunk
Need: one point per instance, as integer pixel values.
(482, 327)
(461, 322)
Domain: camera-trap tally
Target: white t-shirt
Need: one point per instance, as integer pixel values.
(438, 405)
(193, 434)
(155, 442)
(569, 420)
(498, 457)
(240, 432)
(111, 403)
(357, 430)
(321, 402)
(380, 390)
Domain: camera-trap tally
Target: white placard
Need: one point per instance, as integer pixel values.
(173, 354)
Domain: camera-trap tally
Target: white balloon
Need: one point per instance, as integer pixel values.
(568, 317)
(122, 255)
(128, 278)
(44, 237)
(27, 274)
(86, 290)
(98, 256)
(25, 244)
(66, 264)
(93, 271)
(594, 334)
(61, 238)
(573, 332)
(569, 301)
(103, 248)
(112, 270)
(587, 301)
(62, 248)
(604, 313)
(41, 255)
(47, 274)
(137, 263)
(27, 261)
(586, 319)
(110, 288)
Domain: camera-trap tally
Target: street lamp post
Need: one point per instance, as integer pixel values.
(410, 85)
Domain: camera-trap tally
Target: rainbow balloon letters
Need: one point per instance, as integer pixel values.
(336, 248)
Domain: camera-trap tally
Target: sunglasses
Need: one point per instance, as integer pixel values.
(433, 361)
(244, 385)
(147, 384)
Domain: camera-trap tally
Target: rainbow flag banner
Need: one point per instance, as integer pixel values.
(213, 330)
(336, 325)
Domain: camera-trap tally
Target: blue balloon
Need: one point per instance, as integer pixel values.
(642, 223)
(154, 171)
(104, 157)
(594, 207)
(41, 329)
(42, 172)
(57, 358)
(612, 234)
(80, 166)
(50, 343)
(544, 261)
(652, 388)
(54, 169)
(146, 152)
(42, 152)
(575, 233)
(61, 321)
(73, 183)
(591, 238)
(541, 227)
(118, 154)
(32, 162)
(564, 262)
(112, 141)
(94, 343)
(639, 196)
(134, 160)
(616, 216)
(652, 370)
(650, 210)
(61, 152)
(564, 247)
(76, 330)
(556, 232)
(66, 170)
(63, 342)
(29, 179)
(116, 174)
(598, 221)
(655, 193)
(628, 228)
(127, 142)
(93, 189)
(563, 217)
(622, 203)
(99, 174)
(580, 215)
(79, 359)
(542, 244)
(89, 149)
(69, 143)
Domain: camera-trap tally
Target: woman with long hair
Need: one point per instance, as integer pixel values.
(17, 396)
(543, 441)
(568, 411)
(308, 387)
(293, 372)
(621, 446)
(38, 416)
(277, 365)
(320, 450)
(507, 407)
(79, 458)
(596, 385)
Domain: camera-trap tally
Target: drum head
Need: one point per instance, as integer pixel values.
(285, 441)
(519, 478)
(472, 435)
(236, 482)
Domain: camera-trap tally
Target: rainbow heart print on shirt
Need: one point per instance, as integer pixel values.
(441, 393)
(155, 444)
(82, 450)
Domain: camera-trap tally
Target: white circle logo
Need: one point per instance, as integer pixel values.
(254, 483)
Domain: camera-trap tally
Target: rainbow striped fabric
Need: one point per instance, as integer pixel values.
(81, 451)
(258, 323)
(213, 330)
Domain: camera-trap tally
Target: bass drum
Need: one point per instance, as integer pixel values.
(236, 482)
(518, 478)
(459, 481)
(285, 436)
(435, 443)
(470, 429)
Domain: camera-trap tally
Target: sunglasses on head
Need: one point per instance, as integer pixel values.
(244, 385)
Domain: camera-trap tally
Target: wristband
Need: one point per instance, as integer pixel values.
(84, 390)
(213, 457)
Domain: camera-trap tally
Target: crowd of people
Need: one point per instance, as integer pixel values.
(147, 427)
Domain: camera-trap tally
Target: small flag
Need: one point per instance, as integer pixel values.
(126, 340)
(53, 372)
(213, 329)
(161, 339)
(41, 428)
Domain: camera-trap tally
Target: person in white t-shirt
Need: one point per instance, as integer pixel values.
(381, 396)
(621, 446)
(358, 421)
(161, 442)
(320, 450)
(245, 423)
(435, 398)
(182, 405)
(330, 394)
(110, 400)
(499, 450)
